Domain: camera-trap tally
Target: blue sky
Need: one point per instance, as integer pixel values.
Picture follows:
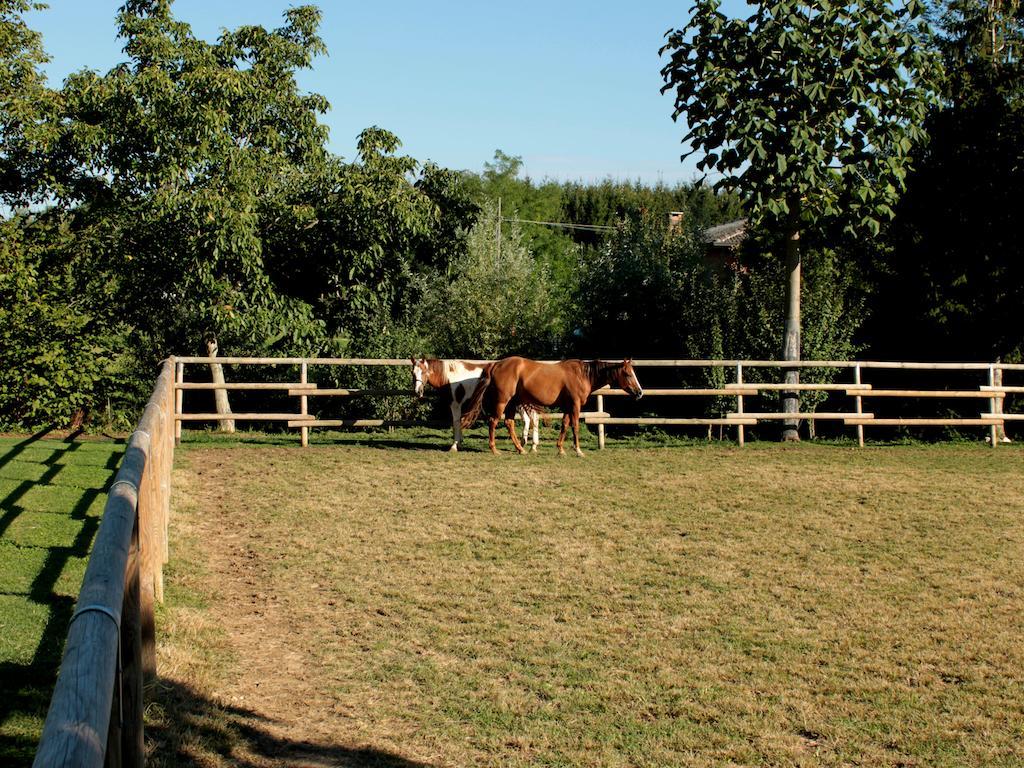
(571, 87)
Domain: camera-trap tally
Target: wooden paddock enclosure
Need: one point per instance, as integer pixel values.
(990, 391)
(96, 713)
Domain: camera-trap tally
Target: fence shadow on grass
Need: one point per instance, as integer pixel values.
(193, 730)
(35, 567)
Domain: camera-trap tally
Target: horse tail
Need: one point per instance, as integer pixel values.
(471, 410)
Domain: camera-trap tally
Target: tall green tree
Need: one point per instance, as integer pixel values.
(27, 107)
(371, 227)
(957, 234)
(188, 151)
(497, 300)
(810, 111)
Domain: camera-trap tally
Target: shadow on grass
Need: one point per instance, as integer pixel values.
(26, 686)
(193, 730)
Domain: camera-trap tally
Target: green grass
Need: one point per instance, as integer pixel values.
(374, 600)
(51, 499)
(370, 602)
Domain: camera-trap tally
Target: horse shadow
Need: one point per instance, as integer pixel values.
(193, 726)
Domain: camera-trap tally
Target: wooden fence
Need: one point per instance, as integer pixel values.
(856, 390)
(96, 713)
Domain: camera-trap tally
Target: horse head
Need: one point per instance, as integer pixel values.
(420, 373)
(627, 380)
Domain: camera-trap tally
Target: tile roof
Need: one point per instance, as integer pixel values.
(728, 235)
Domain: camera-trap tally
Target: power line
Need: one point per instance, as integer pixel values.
(565, 225)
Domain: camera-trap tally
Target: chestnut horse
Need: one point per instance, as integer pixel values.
(465, 382)
(566, 384)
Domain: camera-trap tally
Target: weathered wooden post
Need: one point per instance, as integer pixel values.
(220, 396)
(128, 713)
(303, 403)
(600, 427)
(179, 396)
(860, 410)
(739, 404)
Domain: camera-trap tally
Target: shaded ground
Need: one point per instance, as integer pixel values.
(349, 605)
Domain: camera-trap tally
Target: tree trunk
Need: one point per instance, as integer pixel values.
(791, 335)
(220, 396)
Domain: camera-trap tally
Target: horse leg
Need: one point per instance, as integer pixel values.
(561, 434)
(456, 426)
(492, 425)
(510, 424)
(526, 425)
(576, 428)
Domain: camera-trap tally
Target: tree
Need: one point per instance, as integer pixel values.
(957, 233)
(27, 107)
(810, 112)
(498, 299)
(185, 155)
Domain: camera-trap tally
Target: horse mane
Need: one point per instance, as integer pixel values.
(471, 410)
(599, 372)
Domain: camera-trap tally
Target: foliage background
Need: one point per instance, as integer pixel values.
(187, 194)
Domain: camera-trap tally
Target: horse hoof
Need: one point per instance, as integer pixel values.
(580, 454)
(454, 448)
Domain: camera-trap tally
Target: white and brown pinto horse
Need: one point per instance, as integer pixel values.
(566, 385)
(462, 380)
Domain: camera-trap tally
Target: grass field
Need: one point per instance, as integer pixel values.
(389, 604)
(51, 499)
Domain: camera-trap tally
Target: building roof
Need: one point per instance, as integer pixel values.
(728, 235)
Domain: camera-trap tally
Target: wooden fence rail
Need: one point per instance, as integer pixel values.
(856, 389)
(96, 712)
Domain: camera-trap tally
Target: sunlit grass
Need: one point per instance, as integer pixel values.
(702, 605)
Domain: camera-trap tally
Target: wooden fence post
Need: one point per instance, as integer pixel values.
(600, 427)
(303, 403)
(860, 410)
(179, 393)
(129, 711)
(995, 404)
(148, 566)
(739, 404)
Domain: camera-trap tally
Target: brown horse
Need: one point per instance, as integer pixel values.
(566, 384)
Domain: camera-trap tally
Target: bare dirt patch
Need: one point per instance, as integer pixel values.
(357, 605)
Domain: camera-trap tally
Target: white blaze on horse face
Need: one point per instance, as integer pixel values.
(417, 376)
(636, 383)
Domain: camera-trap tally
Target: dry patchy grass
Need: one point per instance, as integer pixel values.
(360, 605)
